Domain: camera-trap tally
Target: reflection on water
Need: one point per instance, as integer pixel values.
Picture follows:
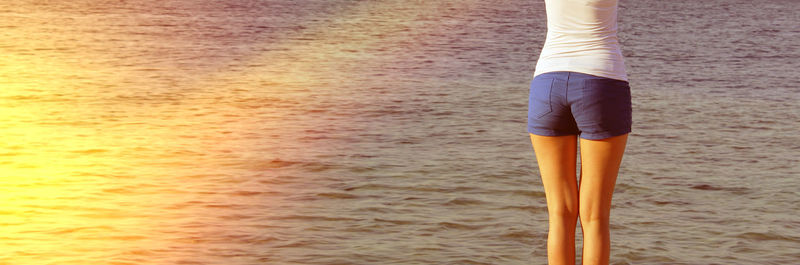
(367, 132)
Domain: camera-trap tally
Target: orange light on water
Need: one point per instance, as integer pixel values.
(113, 151)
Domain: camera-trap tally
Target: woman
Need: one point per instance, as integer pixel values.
(579, 91)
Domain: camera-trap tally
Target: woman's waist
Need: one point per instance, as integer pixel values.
(591, 53)
(608, 65)
(573, 42)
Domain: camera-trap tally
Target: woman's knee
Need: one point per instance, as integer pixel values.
(563, 213)
(589, 216)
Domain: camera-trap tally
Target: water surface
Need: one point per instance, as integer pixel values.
(378, 132)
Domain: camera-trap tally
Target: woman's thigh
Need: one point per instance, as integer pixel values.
(600, 162)
(557, 157)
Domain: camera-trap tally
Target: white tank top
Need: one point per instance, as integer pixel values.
(582, 37)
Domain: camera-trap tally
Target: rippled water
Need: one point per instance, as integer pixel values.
(378, 132)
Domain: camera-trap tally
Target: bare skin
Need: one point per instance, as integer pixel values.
(567, 201)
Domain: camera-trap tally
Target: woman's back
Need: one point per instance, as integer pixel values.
(582, 37)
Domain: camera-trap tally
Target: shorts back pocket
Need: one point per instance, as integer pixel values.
(539, 99)
(606, 102)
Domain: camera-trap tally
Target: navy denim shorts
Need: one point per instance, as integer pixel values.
(573, 103)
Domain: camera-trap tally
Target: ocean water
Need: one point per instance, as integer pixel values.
(378, 132)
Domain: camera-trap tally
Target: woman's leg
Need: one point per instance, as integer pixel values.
(556, 156)
(600, 161)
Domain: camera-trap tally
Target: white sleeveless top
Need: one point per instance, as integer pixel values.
(582, 37)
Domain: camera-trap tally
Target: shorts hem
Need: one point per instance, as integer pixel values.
(549, 132)
(603, 135)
